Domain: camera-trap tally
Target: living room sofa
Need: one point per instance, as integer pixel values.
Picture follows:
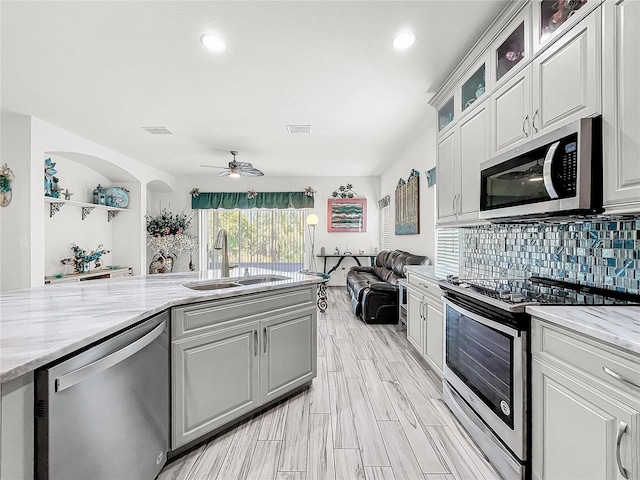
(374, 290)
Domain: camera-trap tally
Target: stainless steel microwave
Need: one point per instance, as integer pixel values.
(559, 173)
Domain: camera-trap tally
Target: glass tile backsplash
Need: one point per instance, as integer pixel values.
(595, 253)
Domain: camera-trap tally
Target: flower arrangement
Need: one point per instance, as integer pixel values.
(166, 233)
(172, 245)
(167, 223)
(81, 258)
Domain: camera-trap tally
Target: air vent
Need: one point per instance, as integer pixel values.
(299, 129)
(41, 408)
(158, 130)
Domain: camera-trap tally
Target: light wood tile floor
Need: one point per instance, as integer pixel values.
(375, 411)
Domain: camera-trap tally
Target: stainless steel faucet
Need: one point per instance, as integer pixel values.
(221, 244)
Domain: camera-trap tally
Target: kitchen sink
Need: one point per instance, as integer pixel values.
(254, 280)
(211, 285)
(240, 282)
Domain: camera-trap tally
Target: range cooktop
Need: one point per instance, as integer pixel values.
(515, 294)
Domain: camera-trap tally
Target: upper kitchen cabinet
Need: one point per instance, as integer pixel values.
(512, 49)
(446, 115)
(474, 86)
(621, 106)
(459, 156)
(551, 18)
(559, 86)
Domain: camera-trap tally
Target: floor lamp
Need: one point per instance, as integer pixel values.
(312, 222)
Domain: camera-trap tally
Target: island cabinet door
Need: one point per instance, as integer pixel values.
(215, 380)
(289, 352)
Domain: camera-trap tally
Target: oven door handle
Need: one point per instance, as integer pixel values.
(483, 320)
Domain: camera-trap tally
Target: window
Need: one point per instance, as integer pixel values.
(260, 238)
(385, 231)
(448, 246)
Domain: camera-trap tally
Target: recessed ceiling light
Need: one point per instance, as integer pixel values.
(213, 42)
(404, 40)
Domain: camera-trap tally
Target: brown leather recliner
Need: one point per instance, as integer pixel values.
(374, 290)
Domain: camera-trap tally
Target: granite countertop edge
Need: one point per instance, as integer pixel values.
(44, 324)
(618, 326)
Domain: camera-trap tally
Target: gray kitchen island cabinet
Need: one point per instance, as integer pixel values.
(232, 356)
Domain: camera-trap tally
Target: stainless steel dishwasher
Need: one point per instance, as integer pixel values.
(104, 413)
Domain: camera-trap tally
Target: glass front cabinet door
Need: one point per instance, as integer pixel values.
(474, 88)
(512, 49)
(551, 17)
(445, 115)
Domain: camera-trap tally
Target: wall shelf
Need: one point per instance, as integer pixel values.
(55, 204)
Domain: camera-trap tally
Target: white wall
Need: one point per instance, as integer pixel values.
(67, 226)
(420, 155)
(367, 187)
(15, 256)
(26, 142)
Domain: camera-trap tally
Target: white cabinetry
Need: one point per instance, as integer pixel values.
(621, 106)
(559, 86)
(448, 172)
(459, 156)
(585, 422)
(231, 356)
(425, 319)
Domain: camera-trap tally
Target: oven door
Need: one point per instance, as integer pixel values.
(486, 365)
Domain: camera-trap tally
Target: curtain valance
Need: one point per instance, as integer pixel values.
(245, 201)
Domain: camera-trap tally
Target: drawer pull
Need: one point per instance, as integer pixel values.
(617, 376)
(423, 285)
(621, 429)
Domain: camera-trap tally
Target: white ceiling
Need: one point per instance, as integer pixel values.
(104, 69)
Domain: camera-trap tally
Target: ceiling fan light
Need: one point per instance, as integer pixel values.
(234, 173)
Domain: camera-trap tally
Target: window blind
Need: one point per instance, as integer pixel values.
(272, 239)
(448, 246)
(385, 231)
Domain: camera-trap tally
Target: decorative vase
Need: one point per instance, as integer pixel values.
(480, 91)
(161, 263)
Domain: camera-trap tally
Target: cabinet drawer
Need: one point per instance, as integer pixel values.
(427, 287)
(586, 357)
(196, 319)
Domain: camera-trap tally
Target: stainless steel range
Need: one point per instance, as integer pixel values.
(486, 371)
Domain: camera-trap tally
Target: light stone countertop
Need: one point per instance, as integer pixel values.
(616, 325)
(434, 272)
(42, 324)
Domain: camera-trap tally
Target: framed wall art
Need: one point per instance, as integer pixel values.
(408, 206)
(347, 215)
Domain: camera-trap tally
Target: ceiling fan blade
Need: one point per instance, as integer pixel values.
(212, 166)
(251, 172)
(240, 165)
(226, 173)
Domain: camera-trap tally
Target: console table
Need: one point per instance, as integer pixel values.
(342, 256)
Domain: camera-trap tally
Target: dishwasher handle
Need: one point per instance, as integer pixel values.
(76, 376)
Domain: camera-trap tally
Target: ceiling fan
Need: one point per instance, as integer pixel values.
(237, 169)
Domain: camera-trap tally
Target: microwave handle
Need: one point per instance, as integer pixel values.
(546, 170)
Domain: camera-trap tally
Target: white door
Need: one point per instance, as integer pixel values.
(434, 346)
(474, 149)
(578, 432)
(288, 350)
(621, 106)
(414, 319)
(566, 78)
(510, 113)
(215, 379)
(447, 175)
